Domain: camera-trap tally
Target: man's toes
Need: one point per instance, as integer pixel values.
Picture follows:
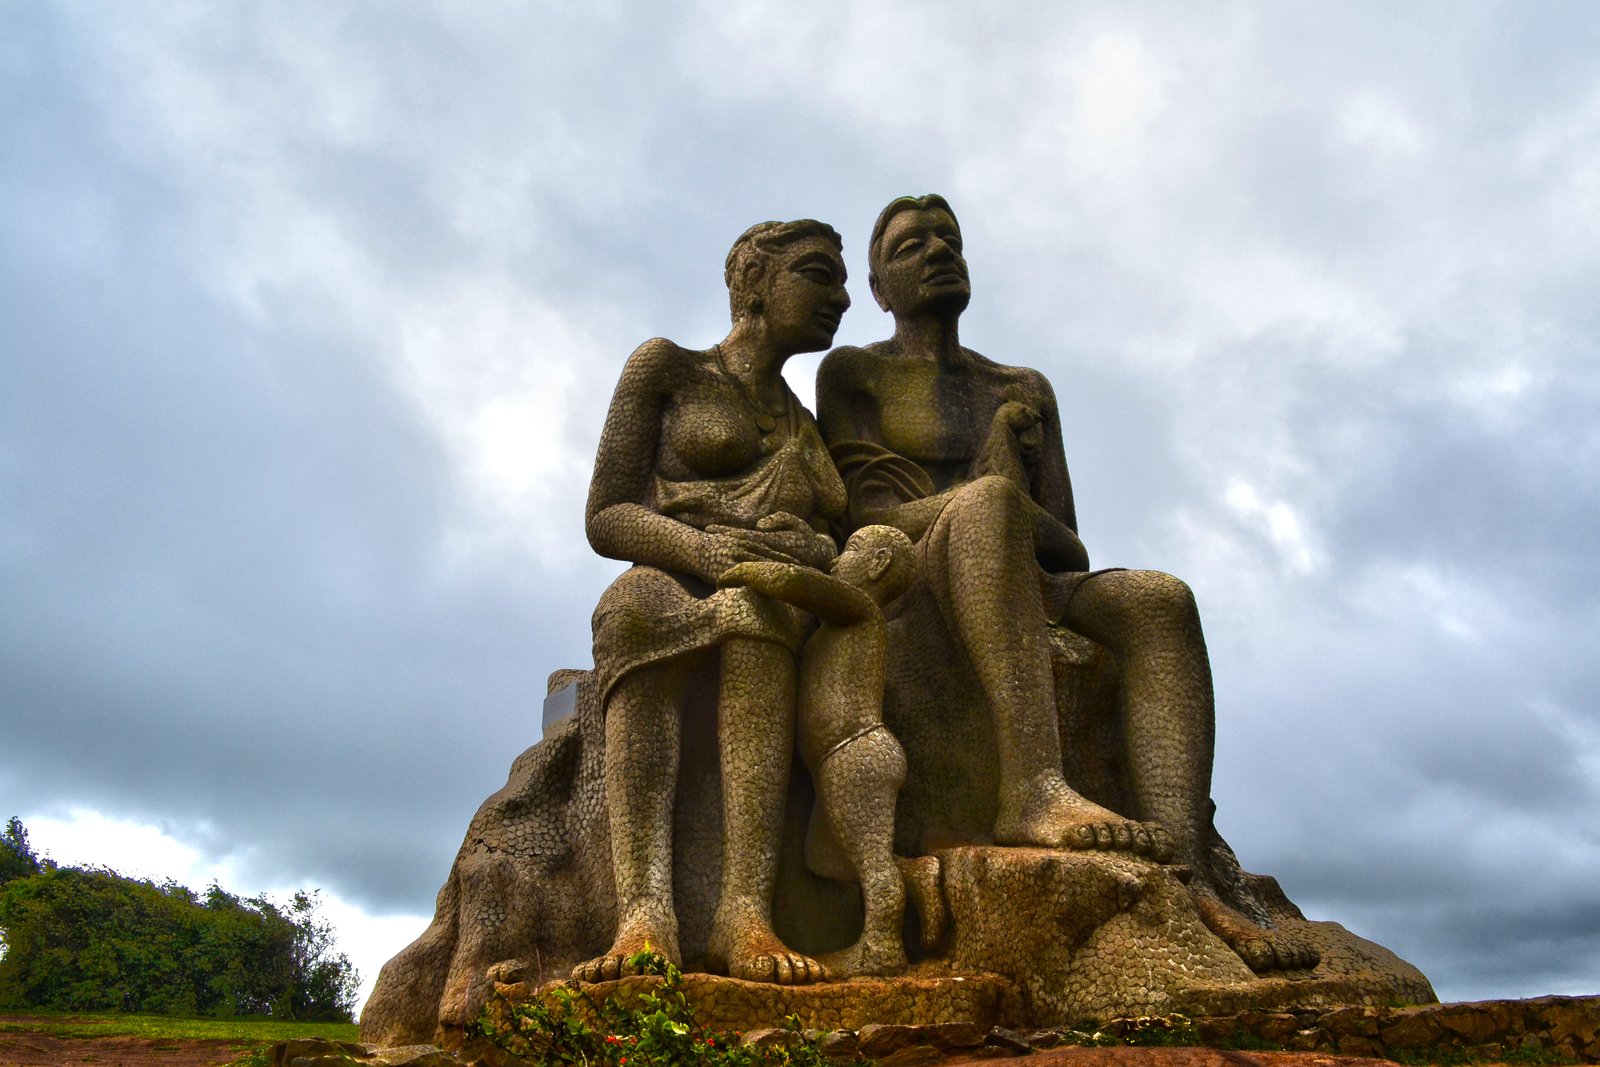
(1160, 843)
(1122, 837)
(1081, 837)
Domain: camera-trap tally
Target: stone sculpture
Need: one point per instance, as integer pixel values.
(1022, 743)
(708, 461)
(966, 456)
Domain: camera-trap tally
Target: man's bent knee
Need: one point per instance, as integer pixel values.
(1157, 590)
(987, 499)
(1111, 605)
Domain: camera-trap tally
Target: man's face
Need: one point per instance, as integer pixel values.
(919, 266)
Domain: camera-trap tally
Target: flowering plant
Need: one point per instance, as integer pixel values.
(566, 1025)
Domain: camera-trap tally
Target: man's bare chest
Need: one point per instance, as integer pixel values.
(940, 418)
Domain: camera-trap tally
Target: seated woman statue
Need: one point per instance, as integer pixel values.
(707, 461)
(965, 456)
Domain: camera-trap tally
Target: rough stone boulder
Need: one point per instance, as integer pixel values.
(1036, 937)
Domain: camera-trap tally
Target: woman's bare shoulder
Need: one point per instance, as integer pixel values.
(660, 363)
(660, 351)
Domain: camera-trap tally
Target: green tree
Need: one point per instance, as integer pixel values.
(16, 858)
(325, 982)
(81, 939)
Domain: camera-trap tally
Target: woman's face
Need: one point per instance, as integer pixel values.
(805, 296)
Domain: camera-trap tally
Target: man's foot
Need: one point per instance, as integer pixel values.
(1263, 948)
(1049, 814)
(635, 935)
(922, 881)
(743, 946)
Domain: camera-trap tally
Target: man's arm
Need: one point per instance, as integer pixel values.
(1050, 487)
(829, 599)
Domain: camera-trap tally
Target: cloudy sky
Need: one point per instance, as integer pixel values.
(309, 313)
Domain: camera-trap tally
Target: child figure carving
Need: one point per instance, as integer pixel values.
(856, 764)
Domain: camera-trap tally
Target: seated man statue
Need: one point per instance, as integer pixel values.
(965, 456)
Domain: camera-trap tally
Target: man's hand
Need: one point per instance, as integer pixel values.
(1015, 437)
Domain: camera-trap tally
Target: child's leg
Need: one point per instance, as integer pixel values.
(922, 878)
(856, 786)
(825, 857)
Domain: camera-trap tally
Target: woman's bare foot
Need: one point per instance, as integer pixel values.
(878, 957)
(1263, 948)
(924, 888)
(1048, 814)
(743, 946)
(634, 935)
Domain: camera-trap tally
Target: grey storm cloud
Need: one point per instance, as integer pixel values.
(309, 315)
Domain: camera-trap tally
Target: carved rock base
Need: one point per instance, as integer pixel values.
(1089, 936)
(1042, 938)
(1077, 936)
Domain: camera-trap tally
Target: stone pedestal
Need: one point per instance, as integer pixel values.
(1036, 937)
(1089, 936)
(1042, 938)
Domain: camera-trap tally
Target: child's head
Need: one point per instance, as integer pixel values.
(878, 560)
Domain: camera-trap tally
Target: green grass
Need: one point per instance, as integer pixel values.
(165, 1027)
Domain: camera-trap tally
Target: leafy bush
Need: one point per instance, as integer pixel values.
(567, 1026)
(88, 939)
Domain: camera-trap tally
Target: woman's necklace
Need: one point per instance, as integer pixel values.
(766, 421)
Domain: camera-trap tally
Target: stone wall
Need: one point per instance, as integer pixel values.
(1487, 1030)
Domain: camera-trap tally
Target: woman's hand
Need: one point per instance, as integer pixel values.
(723, 548)
(778, 538)
(798, 538)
